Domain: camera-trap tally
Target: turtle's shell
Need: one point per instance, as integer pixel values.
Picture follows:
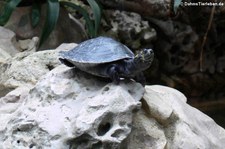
(97, 51)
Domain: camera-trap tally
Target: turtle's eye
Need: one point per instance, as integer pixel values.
(148, 54)
(146, 51)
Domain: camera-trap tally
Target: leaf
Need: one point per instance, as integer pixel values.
(35, 14)
(97, 14)
(7, 11)
(89, 23)
(177, 3)
(51, 20)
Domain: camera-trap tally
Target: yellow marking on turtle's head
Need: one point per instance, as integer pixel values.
(145, 56)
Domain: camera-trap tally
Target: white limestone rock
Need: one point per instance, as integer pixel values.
(26, 68)
(167, 121)
(29, 44)
(8, 44)
(71, 109)
(10, 103)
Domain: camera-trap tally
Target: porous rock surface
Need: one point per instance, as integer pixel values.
(130, 28)
(25, 68)
(70, 109)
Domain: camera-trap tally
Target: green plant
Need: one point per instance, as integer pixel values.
(53, 7)
(92, 26)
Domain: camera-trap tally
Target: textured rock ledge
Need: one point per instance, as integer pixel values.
(166, 121)
(25, 68)
(70, 109)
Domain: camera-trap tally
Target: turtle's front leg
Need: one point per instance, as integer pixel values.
(140, 78)
(113, 73)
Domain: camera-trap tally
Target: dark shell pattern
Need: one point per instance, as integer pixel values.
(98, 50)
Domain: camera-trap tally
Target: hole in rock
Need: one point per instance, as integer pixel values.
(18, 141)
(31, 145)
(49, 66)
(117, 133)
(82, 142)
(129, 91)
(106, 89)
(103, 128)
(97, 145)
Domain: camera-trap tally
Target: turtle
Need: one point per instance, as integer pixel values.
(108, 58)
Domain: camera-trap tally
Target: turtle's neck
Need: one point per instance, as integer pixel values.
(131, 66)
(136, 65)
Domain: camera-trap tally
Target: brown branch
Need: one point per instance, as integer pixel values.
(205, 37)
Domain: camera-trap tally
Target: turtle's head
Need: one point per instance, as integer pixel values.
(144, 59)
